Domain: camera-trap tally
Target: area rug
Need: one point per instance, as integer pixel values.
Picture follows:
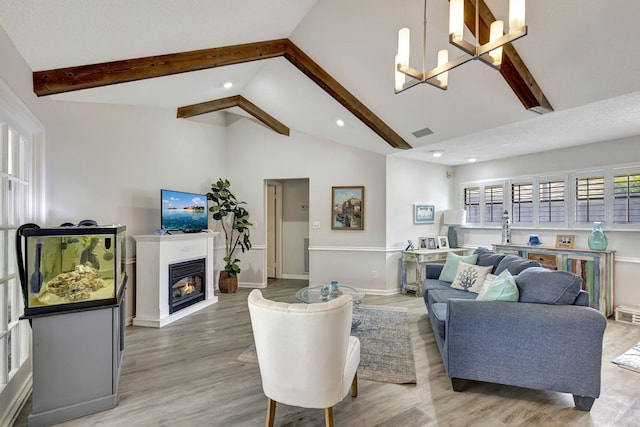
(386, 354)
(631, 359)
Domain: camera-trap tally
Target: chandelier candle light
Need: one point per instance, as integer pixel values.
(489, 53)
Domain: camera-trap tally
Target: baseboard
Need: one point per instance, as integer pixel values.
(296, 276)
(252, 285)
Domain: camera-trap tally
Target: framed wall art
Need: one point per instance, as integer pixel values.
(443, 242)
(424, 214)
(347, 208)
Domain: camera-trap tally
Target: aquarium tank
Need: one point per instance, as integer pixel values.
(72, 268)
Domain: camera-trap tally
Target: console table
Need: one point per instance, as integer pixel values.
(420, 258)
(595, 268)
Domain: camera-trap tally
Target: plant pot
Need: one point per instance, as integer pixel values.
(227, 284)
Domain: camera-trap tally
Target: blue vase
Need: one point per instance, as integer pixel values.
(597, 239)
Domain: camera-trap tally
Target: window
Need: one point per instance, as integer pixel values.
(493, 203)
(589, 199)
(472, 204)
(626, 199)
(522, 204)
(21, 195)
(552, 208)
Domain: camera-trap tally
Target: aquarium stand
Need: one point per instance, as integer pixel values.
(77, 357)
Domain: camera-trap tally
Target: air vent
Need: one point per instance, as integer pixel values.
(422, 132)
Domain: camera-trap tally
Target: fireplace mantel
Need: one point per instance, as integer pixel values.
(154, 254)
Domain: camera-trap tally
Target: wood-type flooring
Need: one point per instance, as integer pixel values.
(186, 374)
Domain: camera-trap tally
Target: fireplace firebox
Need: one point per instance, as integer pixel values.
(186, 284)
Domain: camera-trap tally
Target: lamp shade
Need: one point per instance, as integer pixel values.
(455, 217)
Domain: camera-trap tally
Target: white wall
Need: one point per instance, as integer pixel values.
(326, 164)
(608, 153)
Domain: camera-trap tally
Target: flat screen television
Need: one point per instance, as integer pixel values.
(186, 212)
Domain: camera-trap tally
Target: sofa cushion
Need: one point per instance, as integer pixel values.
(502, 288)
(487, 281)
(515, 265)
(470, 277)
(486, 257)
(450, 268)
(543, 286)
(444, 295)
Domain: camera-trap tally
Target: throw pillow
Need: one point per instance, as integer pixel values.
(470, 277)
(486, 257)
(543, 286)
(515, 265)
(487, 281)
(503, 288)
(448, 273)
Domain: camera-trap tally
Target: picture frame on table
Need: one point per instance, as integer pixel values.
(422, 243)
(443, 242)
(424, 214)
(432, 243)
(565, 241)
(347, 208)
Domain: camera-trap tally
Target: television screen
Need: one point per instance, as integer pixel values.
(183, 211)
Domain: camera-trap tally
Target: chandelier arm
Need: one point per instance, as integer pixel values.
(501, 41)
(411, 72)
(435, 72)
(408, 85)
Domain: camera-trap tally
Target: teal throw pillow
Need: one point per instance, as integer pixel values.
(448, 273)
(503, 288)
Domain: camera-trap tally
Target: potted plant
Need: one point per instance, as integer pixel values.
(227, 210)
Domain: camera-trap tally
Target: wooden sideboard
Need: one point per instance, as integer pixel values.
(595, 267)
(420, 258)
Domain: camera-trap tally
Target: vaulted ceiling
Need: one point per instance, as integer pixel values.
(581, 54)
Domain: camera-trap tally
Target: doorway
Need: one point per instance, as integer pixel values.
(287, 228)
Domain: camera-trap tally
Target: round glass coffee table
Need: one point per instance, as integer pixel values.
(313, 295)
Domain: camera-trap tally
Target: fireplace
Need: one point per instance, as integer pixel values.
(186, 284)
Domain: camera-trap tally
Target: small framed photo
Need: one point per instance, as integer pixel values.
(431, 243)
(443, 242)
(564, 241)
(424, 214)
(422, 242)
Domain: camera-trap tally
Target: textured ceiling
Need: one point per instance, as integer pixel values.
(581, 53)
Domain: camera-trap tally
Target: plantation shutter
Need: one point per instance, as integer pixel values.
(590, 199)
(552, 208)
(522, 203)
(626, 199)
(493, 203)
(472, 204)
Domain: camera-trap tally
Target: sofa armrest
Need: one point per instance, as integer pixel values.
(433, 270)
(540, 346)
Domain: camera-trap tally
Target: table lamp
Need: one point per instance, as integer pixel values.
(453, 218)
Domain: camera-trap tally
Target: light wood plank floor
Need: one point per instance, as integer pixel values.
(186, 374)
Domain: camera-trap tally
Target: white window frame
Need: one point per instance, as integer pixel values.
(30, 179)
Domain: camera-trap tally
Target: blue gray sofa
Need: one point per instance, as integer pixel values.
(548, 340)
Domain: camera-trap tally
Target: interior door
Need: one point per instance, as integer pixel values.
(272, 195)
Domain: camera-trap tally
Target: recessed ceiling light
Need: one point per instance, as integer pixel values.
(471, 159)
(437, 153)
(227, 85)
(340, 122)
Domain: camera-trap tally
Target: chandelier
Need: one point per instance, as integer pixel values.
(490, 53)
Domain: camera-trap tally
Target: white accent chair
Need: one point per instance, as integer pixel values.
(306, 355)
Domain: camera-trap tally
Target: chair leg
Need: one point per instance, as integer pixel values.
(328, 416)
(354, 385)
(271, 412)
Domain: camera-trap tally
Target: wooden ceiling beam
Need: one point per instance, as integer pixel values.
(230, 102)
(70, 79)
(513, 69)
(330, 85)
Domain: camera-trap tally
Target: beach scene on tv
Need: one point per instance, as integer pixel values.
(183, 211)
